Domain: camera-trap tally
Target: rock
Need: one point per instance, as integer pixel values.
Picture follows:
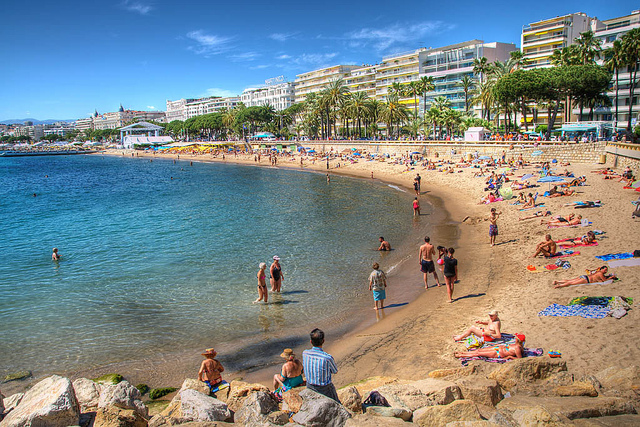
(255, 408)
(291, 400)
(482, 423)
(194, 384)
(526, 370)
(12, 401)
(239, 392)
(113, 416)
(569, 407)
(109, 379)
(1, 405)
(124, 396)
(279, 418)
(384, 411)
(421, 393)
(614, 421)
(351, 399)
(319, 410)
(480, 390)
(457, 372)
(440, 415)
(87, 393)
(620, 381)
(190, 405)
(51, 402)
(373, 383)
(16, 376)
(578, 388)
(369, 420)
(537, 416)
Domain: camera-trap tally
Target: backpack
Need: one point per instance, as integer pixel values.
(375, 399)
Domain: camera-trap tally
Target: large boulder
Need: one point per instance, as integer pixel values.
(421, 393)
(255, 409)
(564, 407)
(194, 384)
(480, 390)
(278, 418)
(613, 421)
(385, 411)
(190, 405)
(620, 381)
(51, 402)
(123, 395)
(87, 392)
(291, 400)
(239, 392)
(373, 383)
(1, 405)
(320, 411)
(12, 401)
(578, 388)
(529, 369)
(453, 372)
(113, 416)
(369, 420)
(440, 415)
(350, 399)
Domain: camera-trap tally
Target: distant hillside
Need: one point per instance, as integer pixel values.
(35, 121)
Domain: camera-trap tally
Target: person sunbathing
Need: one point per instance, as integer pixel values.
(490, 333)
(505, 351)
(547, 247)
(558, 218)
(574, 221)
(575, 182)
(559, 193)
(531, 202)
(536, 215)
(587, 239)
(489, 198)
(599, 275)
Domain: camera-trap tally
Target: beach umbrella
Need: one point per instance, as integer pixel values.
(527, 176)
(484, 157)
(506, 193)
(536, 153)
(550, 179)
(415, 152)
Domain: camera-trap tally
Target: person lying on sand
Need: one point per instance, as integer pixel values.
(575, 182)
(599, 275)
(559, 223)
(489, 333)
(489, 198)
(506, 351)
(546, 248)
(559, 193)
(536, 215)
(588, 238)
(558, 218)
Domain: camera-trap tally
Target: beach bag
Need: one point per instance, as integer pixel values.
(375, 399)
(473, 341)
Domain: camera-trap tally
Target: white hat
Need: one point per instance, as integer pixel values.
(276, 258)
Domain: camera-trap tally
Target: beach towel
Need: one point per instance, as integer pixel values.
(577, 244)
(586, 311)
(609, 257)
(564, 254)
(528, 352)
(629, 262)
(533, 207)
(560, 264)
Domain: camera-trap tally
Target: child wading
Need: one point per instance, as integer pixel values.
(377, 284)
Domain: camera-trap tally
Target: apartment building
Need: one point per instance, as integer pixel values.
(118, 119)
(363, 79)
(84, 124)
(316, 80)
(276, 93)
(449, 64)
(183, 109)
(400, 68)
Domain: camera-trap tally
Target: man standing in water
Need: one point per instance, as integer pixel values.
(425, 257)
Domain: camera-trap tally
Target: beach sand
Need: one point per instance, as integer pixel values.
(412, 340)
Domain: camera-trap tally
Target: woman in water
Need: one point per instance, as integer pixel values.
(276, 274)
(262, 285)
(416, 207)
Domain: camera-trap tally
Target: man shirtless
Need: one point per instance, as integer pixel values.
(384, 245)
(490, 332)
(546, 248)
(425, 257)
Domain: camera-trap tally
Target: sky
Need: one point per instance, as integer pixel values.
(65, 59)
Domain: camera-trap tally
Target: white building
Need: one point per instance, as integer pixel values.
(277, 93)
(315, 81)
(184, 109)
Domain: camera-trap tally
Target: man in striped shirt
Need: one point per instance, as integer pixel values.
(318, 367)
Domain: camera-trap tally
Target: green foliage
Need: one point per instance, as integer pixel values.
(142, 388)
(637, 131)
(109, 379)
(541, 129)
(157, 393)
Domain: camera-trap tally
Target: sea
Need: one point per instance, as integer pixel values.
(161, 256)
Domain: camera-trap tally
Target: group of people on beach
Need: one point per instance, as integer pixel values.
(449, 265)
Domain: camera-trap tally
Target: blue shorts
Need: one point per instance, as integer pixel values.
(379, 295)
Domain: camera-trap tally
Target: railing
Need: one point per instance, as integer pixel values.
(542, 27)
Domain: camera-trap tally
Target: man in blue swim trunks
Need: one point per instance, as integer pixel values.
(425, 257)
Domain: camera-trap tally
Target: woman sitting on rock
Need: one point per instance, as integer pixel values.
(506, 351)
(291, 374)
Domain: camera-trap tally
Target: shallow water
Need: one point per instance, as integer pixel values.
(155, 264)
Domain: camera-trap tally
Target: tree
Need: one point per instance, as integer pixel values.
(375, 110)
(334, 94)
(412, 89)
(481, 67)
(393, 113)
(588, 47)
(466, 83)
(426, 86)
(358, 106)
(631, 49)
(614, 60)
(433, 116)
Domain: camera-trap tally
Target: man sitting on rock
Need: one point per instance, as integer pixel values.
(319, 366)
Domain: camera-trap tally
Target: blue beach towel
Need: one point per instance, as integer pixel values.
(586, 311)
(609, 257)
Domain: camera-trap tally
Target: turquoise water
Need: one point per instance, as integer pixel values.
(152, 263)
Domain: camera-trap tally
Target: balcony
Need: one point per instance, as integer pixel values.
(536, 40)
(534, 28)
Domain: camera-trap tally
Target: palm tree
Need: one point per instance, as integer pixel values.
(395, 88)
(433, 116)
(613, 62)
(426, 86)
(517, 59)
(631, 48)
(375, 109)
(451, 120)
(335, 93)
(412, 89)
(588, 47)
(466, 83)
(481, 67)
(394, 112)
(358, 107)
(229, 119)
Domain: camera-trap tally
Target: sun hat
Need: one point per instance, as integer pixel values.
(287, 353)
(276, 258)
(493, 313)
(262, 265)
(210, 352)
(521, 337)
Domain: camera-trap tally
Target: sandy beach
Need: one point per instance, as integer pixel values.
(409, 341)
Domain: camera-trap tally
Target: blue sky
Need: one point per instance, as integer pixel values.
(63, 59)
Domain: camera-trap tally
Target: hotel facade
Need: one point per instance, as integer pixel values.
(184, 109)
(276, 93)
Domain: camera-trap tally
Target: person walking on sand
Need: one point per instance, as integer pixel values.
(319, 366)
(276, 274)
(377, 284)
(55, 256)
(416, 207)
(416, 187)
(425, 257)
(493, 226)
(450, 272)
(263, 294)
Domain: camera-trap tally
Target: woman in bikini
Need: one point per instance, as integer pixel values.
(587, 239)
(599, 275)
(505, 351)
(262, 285)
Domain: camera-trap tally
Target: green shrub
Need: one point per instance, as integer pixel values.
(109, 379)
(142, 388)
(157, 393)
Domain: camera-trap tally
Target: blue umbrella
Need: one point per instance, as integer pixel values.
(527, 176)
(551, 179)
(536, 153)
(484, 157)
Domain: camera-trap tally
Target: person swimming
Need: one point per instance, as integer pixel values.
(55, 256)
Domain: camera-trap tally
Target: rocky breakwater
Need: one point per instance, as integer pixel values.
(532, 391)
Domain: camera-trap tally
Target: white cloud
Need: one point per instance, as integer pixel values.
(216, 91)
(260, 67)
(384, 37)
(136, 6)
(280, 37)
(246, 56)
(316, 59)
(208, 44)
(150, 107)
(283, 56)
